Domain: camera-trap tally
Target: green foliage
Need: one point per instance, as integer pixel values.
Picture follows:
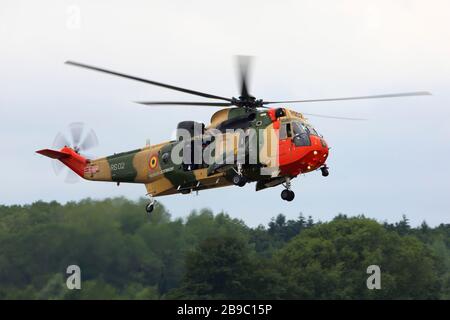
(329, 261)
(225, 267)
(124, 254)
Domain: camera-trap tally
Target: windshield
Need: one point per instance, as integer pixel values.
(301, 134)
(312, 130)
(298, 128)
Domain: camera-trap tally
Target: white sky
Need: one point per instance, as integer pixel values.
(394, 164)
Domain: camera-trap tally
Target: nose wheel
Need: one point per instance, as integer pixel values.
(287, 194)
(239, 179)
(325, 171)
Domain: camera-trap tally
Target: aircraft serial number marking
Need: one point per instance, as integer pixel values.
(118, 166)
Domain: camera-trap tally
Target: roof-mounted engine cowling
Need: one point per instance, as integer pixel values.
(192, 128)
(242, 121)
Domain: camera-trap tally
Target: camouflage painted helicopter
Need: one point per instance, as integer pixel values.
(289, 146)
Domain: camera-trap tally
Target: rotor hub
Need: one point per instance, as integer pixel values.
(248, 102)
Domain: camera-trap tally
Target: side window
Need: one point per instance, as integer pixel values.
(285, 130)
(288, 130)
(282, 132)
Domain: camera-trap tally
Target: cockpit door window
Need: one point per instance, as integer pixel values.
(285, 130)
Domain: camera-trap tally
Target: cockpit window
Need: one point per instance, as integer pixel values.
(298, 128)
(295, 128)
(285, 130)
(301, 134)
(312, 130)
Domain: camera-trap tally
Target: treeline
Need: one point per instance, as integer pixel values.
(124, 254)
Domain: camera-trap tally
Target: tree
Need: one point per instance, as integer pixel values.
(329, 261)
(283, 230)
(403, 226)
(219, 268)
(225, 268)
(124, 254)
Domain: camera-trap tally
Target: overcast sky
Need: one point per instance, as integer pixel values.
(396, 163)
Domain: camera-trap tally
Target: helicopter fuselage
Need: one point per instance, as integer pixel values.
(286, 146)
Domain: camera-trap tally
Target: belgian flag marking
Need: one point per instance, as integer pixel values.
(153, 162)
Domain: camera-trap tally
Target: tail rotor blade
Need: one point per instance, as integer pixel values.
(57, 167)
(60, 141)
(90, 141)
(80, 143)
(76, 130)
(71, 177)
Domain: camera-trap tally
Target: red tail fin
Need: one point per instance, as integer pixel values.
(69, 157)
(53, 154)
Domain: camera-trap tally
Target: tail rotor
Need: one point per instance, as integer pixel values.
(80, 139)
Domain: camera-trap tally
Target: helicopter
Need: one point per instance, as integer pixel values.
(247, 141)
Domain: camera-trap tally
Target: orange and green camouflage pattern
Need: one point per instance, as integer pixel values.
(154, 166)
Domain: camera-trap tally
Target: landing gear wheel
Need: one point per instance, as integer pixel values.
(291, 195)
(325, 171)
(243, 182)
(149, 208)
(287, 195)
(239, 180)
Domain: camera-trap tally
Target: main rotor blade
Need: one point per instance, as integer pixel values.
(332, 117)
(393, 95)
(244, 63)
(184, 103)
(197, 93)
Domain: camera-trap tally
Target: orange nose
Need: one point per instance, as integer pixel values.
(325, 147)
(319, 153)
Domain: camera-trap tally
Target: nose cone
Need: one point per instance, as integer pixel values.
(305, 158)
(319, 153)
(324, 145)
